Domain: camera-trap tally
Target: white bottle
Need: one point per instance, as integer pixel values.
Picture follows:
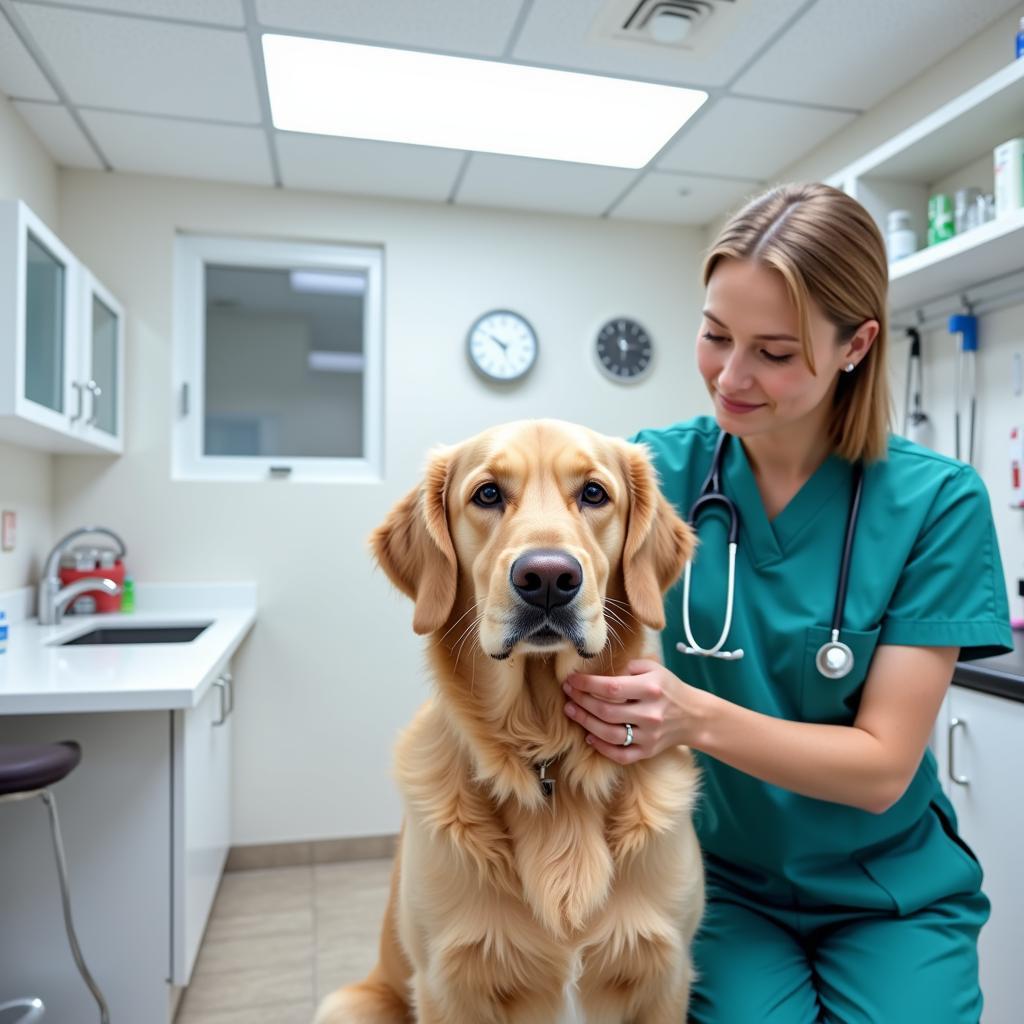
(1008, 164)
(900, 238)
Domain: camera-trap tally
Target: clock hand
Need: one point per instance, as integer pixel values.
(498, 341)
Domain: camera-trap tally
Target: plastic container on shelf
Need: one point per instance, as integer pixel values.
(941, 224)
(1020, 38)
(3, 631)
(128, 595)
(964, 209)
(1008, 165)
(900, 237)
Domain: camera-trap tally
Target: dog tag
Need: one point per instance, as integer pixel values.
(547, 786)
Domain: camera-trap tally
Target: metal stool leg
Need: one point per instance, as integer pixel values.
(58, 848)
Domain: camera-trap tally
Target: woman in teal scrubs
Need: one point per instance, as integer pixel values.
(838, 888)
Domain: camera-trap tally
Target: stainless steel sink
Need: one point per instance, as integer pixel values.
(138, 635)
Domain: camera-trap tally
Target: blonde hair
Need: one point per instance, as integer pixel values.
(827, 248)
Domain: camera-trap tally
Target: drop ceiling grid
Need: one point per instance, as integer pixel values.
(134, 64)
(750, 138)
(358, 166)
(19, 73)
(558, 34)
(215, 12)
(208, 74)
(478, 28)
(56, 129)
(552, 185)
(856, 61)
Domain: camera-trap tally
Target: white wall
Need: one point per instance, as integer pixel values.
(332, 670)
(1000, 333)
(26, 476)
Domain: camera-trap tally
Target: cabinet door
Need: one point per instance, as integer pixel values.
(39, 312)
(202, 818)
(986, 755)
(99, 372)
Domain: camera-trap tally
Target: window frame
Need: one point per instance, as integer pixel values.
(192, 253)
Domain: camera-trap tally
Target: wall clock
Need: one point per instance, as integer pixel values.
(502, 346)
(624, 350)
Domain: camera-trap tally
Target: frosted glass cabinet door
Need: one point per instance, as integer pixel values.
(45, 325)
(98, 380)
(105, 358)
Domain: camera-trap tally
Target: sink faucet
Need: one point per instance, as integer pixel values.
(52, 599)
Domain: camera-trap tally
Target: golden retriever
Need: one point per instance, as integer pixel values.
(532, 550)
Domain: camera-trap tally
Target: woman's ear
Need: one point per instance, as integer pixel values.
(658, 542)
(414, 547)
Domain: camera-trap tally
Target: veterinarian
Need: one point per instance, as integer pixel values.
(838, 887)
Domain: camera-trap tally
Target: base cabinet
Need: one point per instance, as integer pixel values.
(145, 819)
(978, 745)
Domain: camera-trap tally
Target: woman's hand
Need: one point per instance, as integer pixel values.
(662, 709)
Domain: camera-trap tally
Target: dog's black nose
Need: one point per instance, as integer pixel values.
(546, 578)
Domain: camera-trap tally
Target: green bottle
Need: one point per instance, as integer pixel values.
(128, 595)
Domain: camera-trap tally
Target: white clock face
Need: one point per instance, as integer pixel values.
(502, 345)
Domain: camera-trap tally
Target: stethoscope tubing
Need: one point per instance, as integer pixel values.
(834, 658)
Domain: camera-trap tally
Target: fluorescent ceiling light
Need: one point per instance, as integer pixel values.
(337, 362)
(326, 282)
(372, 92)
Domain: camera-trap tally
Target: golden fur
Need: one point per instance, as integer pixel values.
(508, 905)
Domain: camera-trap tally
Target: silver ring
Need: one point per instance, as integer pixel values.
(629, 734)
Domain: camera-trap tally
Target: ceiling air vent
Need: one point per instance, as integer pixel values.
(688, 26)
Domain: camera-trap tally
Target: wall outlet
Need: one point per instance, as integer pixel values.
(8, 523)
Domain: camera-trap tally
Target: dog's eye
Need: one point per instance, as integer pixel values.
(594, 494)
(487, 496)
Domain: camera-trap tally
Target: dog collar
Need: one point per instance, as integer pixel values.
(547, 786)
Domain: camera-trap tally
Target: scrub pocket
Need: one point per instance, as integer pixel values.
(834, 701)
(931, 863)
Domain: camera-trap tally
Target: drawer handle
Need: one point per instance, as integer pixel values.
(222, 687)
(230, 680)
(954, 724)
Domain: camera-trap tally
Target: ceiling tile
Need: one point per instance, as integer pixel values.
(560, 34)
(522, 183)
(853, 55)
(181, 149)
(19, 74)
(683, 199)
(216, 12)
(104, 60)
(371, 168)
(60, 135)
(455, 26)
(750, 138)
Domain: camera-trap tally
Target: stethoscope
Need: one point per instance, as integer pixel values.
(834, 658)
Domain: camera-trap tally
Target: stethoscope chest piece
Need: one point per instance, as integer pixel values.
(834, 659)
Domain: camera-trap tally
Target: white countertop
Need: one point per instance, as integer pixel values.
(37, 676)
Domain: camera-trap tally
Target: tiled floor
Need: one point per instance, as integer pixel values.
(280, 939)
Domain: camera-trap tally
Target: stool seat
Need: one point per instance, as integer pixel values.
(28, 766)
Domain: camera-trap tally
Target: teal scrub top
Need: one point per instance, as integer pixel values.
(925, 570)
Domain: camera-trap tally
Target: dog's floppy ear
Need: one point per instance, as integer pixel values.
(413, 546)
(658, 542)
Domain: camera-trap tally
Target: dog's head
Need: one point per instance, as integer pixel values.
(531, 531)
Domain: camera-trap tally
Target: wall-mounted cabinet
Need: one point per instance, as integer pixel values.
(949, 148)
(61, 343)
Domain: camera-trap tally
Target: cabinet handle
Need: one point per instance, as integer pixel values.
(954, 724)
(78, 386)
(230, 680)
(96, 391)
(222, 687)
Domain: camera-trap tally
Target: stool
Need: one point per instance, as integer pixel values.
(34, 1007)
(25, 771)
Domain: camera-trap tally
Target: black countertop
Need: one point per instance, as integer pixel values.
(1002, 676)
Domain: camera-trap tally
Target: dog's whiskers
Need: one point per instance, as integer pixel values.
(471, 608)
(462, 640)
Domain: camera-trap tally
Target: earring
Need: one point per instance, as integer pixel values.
(849, 367)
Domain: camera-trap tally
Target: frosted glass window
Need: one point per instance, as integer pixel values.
(284, 365)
